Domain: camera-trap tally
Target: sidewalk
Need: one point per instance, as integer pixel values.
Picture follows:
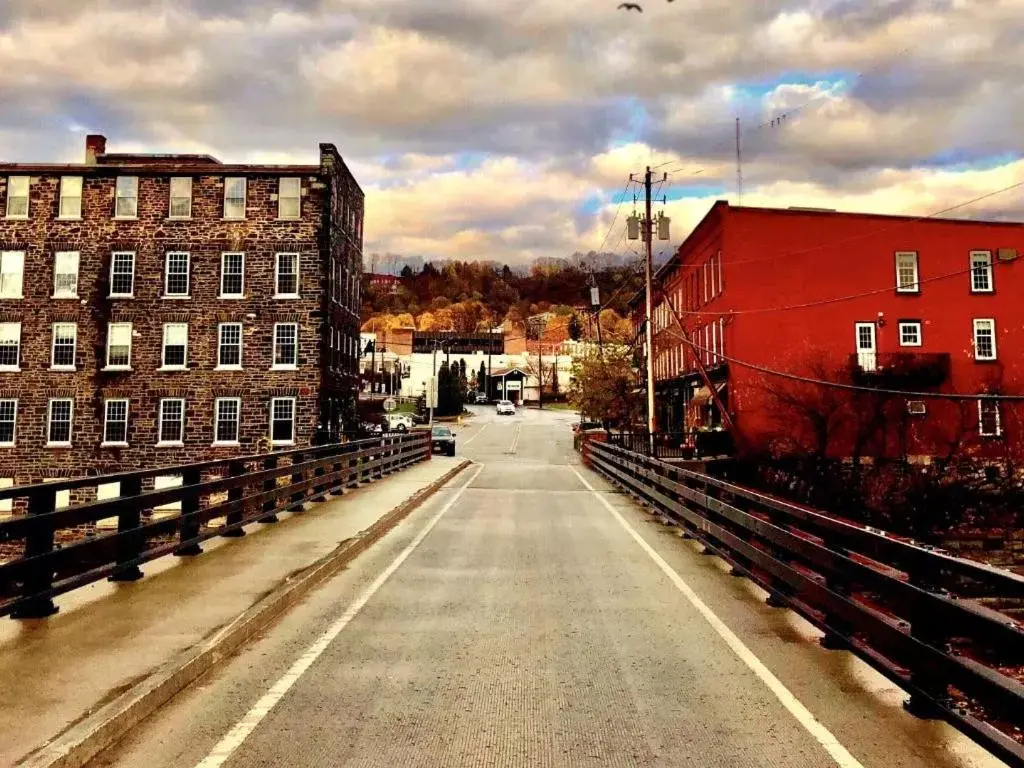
(109, 636)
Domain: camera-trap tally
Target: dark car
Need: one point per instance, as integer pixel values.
(443, 439)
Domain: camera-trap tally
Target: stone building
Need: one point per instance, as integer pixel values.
(164, 309)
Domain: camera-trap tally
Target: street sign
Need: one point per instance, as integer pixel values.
(390, 404)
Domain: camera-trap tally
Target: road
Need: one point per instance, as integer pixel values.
(528, 615)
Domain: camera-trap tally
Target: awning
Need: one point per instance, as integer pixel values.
(703, 395)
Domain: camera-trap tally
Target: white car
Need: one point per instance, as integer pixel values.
(506, 408)
(398, 422)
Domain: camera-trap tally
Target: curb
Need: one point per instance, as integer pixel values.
(80, 743)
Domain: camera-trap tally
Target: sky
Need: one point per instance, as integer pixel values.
(506, 130)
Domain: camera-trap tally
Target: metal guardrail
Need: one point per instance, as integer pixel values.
(905, 609)
(241, 490)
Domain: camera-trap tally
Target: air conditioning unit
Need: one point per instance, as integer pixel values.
(1007, 254)
(916, 407)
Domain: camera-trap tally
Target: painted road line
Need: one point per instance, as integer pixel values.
(803, 715)
(474, 437)
(244, 727)
(515, 440)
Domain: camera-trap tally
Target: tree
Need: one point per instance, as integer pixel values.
(407, 272)
(481, 378)
(463, 382)
(606, 389)
(555, 392)
(444, 380)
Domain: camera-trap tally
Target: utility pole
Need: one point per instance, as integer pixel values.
(432, 384)
(595, 302)
(490, 348)
(648, 234)
(540, 375)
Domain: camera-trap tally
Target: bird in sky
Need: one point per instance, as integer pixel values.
(630, 7)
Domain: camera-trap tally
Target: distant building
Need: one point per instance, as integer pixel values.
(385, 283)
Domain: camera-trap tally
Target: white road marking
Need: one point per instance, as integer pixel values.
(241, 731)
(474, 437)
(803, 715)
(515, 440)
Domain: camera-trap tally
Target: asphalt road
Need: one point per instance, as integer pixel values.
(528, 615)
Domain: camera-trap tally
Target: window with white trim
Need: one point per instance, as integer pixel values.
(175, 346)
(115, 421)
(984, 339)
(229, 346)
(122, 274)
(227, 415)
(286, 345)
(12, 274)
(234, 197)
(289, 197)
(232, 275)
(119, 346)
(10, 346)
(171, 426)
(282, 421)
(981, 272)
(907, 280)
(65, 275)
(910, 333)
(989, 418)
(181, 197)
(286, 275)
(126, 197)
(17, 197)
(65, 341)
(58, 421)
(8, 421)
(70, 198)
(176, 274)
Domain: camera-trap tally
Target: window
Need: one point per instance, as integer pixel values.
(286, 345)
(181, 197)
(17, 197)
(229, 345)
(122, 273)
(10, 346)
(58, 423)
(175, 345)
(286, 275)
(8, 421)
(282, 421)
(906, 272)
(989, 421)
(171, 428)
(985, 339)
(227, 412)
(65, 275)
(910, 333)
(115, 422)
(232, 275)
(12, 272)
(176, 274)
(289, 198)
(119, 345)
(70, 197)
(234, 197)
(65, 338)
(126, 197)
(981, 272)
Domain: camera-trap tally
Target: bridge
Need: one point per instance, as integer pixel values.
(535, 607)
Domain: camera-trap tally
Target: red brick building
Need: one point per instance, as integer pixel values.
(385, 283)
(162, 309)
(866, 301)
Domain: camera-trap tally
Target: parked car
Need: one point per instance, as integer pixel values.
(481, 398)
(442, 439)
(398, 422)
(506, 408)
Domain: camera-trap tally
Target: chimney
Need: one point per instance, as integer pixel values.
(95, 145)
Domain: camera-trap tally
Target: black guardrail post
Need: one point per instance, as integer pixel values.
(130, 542)
(235, 469)
(188, 531)
(927, 628)
(38, 542)
(354, 467)
(269, 485)
(320, 489)
(296, 499)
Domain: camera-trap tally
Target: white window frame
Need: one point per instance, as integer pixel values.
(171, 197)
(57, 294)
(113, 263)
(223, 261)
(167, 275)
(7, 257)
(49, 422)
(106, 422)
(276, 366)
(915, 286)
(17, 366)
(281, 197)
(295, 406)
(65, 181)
(981, 420)
(110, 335)
(27, 197)
(118, 197)
(917, 325)
(164, 366)
(53, 347)
(277, 275)
(216, 420)
(14, 423)
(220, 345)
(245, 194)
(160, 442)
(986, 258)
(990, 324)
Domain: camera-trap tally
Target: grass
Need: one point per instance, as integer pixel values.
(559, 407)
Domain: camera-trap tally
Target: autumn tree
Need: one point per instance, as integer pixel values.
(605, 389)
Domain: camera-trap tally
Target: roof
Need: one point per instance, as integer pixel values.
(507, 371)
(160, 167)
